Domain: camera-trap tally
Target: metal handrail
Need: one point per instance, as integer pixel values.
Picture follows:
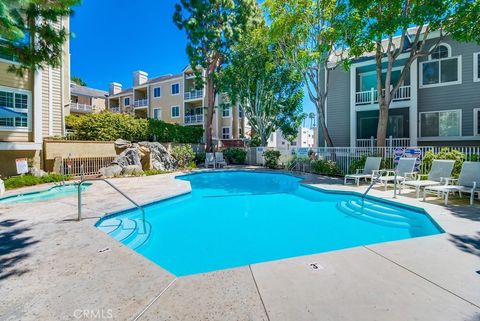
(373, 182)
(115, 188)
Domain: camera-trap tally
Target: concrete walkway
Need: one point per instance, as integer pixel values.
(54, 268)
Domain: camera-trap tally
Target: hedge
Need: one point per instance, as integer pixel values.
(108, 126)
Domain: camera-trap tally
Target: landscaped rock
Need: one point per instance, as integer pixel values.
(111, 171)
(37, 172)
(160, 157)
(132, 169)
(122, 144)
(129, 156)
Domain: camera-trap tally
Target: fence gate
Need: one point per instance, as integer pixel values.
(91, 165)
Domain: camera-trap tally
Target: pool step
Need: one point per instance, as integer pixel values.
(371, 216)
(110, 225)
(140, 236)
(131, 232)
(380, 211)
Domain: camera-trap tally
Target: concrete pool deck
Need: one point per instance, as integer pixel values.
(54, 268)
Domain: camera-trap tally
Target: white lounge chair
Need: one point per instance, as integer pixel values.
(467, 182)
(371, 168)
(219, 160)
(440, 173)
(405, 168)
(209, 160)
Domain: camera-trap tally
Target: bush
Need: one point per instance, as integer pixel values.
(200, 158)
(271, 158)
(325, 167)
(30, 180)
(235, 155)
(108, 126)
(454, 154)
(184, 154)
(151, 172)
(360, 163)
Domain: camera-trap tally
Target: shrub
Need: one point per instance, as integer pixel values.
(30, 180)
(184, 154)
(256, 141)
(235, 155)
(200, 158)
(325, 167)
(360, 163)
(454, 154)
(151, 172)
(271, 158)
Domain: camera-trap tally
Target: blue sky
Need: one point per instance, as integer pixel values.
(113, 38)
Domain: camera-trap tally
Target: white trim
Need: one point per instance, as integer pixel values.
(371, 60)
(20, 146)
(171, 111)
(413, 109)
(37, 107)
(16, 63)
(129, 102)
(439, 111)
(449, 48)
(153, 113)
(476, 67)
(353, 112)
(476, 124)
(29, 110)
(50, 102)
(447, 138)
(229, 132)
(171, 88)
(440, 84)
(157, 97)
(230, 112)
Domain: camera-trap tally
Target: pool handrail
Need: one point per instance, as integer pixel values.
(373, 182)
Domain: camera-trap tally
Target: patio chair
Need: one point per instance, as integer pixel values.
(440, 173)
(371, 168)
(209, 160)
(405, 168)
(219, 160)
(467, 182)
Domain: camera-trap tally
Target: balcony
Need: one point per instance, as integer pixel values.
(194, 119)
(370, 97)
(80, 108)
(115, 109)
(391, 142)
(140, 103)
(194, 94)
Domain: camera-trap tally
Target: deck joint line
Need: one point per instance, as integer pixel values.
(258, 291)
(154, 300)
(422, 277)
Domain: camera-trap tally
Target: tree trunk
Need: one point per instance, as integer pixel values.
(382, 123)
(210, 111)
(323, 125)
(264, 139)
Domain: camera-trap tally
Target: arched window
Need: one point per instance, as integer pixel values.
(441, 51)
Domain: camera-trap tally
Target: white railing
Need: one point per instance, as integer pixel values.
(193, 119)
(80, 108)
(115, 109)
(140, 103)
(193, 94)
(390, 142)
(368, 97)
(91, 165)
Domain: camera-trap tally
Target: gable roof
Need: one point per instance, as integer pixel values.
(87, 91)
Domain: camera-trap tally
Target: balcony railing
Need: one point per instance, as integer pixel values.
(193, 119)
(391, 142)
(115, 109)
(140, 103)
(80, 108)
(194, 94)
(370, 97)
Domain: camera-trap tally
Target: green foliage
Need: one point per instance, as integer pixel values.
(255, 141)
(454, 154)
(108, 126)
(325, 167)
(30, 180)
(151, 172)
(184, 154)
(360, 163)
(235, 155)
(79, 81)
(200, 158)
(271, 158)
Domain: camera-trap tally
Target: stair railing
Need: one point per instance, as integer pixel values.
(374, 181)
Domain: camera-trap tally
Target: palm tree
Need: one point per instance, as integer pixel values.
(312, 119)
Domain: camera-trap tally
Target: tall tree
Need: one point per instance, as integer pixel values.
(384, 28)
(40, 21)
(312, 119)
(310, 33)
(269, 91)
(212, 28)
(9, 15)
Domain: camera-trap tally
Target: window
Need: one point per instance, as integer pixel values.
(226, 111)
(16, 101)
(225, 132)
(157, 113)
(240, 132)
(126, 101)
(175, 111)
(440, 124)
(240, 111)
(476, 122)
(157, 92)
(476, 66)
(441, 69)
(175, 89)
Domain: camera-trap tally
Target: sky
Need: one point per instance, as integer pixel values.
(113, 38)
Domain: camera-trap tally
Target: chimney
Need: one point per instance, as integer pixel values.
(115, 88)
(139, 78)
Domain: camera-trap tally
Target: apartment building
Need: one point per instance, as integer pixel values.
(85, 100)
(176, 99)
(32, 107)
(305, 138)
(438, 103)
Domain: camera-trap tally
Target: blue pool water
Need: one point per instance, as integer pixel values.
(232, 219)
(51, 193)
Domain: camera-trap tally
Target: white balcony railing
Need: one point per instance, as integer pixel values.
(80, 108)
(370, 97)
(194, 94)
(391, 142)
(193, 119)
(140, 103)
(115, 109)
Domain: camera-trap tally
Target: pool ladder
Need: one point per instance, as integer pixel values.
(373, 182)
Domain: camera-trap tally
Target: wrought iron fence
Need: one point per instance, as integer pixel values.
(91, 165)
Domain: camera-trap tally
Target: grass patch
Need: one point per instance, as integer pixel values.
(152, 172)
(30, 180)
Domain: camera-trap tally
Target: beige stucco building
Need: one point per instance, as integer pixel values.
(85, 100)
(40, 99)
(175, 99)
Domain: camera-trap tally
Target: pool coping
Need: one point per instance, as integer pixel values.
(40, 191)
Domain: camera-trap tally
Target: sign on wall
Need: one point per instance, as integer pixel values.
(22, 165)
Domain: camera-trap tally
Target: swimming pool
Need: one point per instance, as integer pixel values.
(236, 218)
(50, 193)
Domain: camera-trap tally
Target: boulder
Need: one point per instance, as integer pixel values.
(159, 155)
(37, 172)
(131, 169)
(129, 156)
(111, 171)
(122, 144)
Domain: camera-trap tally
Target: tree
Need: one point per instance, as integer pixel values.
(384, 28)
(79, 81)
(269, 91)
(212, 28)
(312, 119)
(311, 36)
(9, 15)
